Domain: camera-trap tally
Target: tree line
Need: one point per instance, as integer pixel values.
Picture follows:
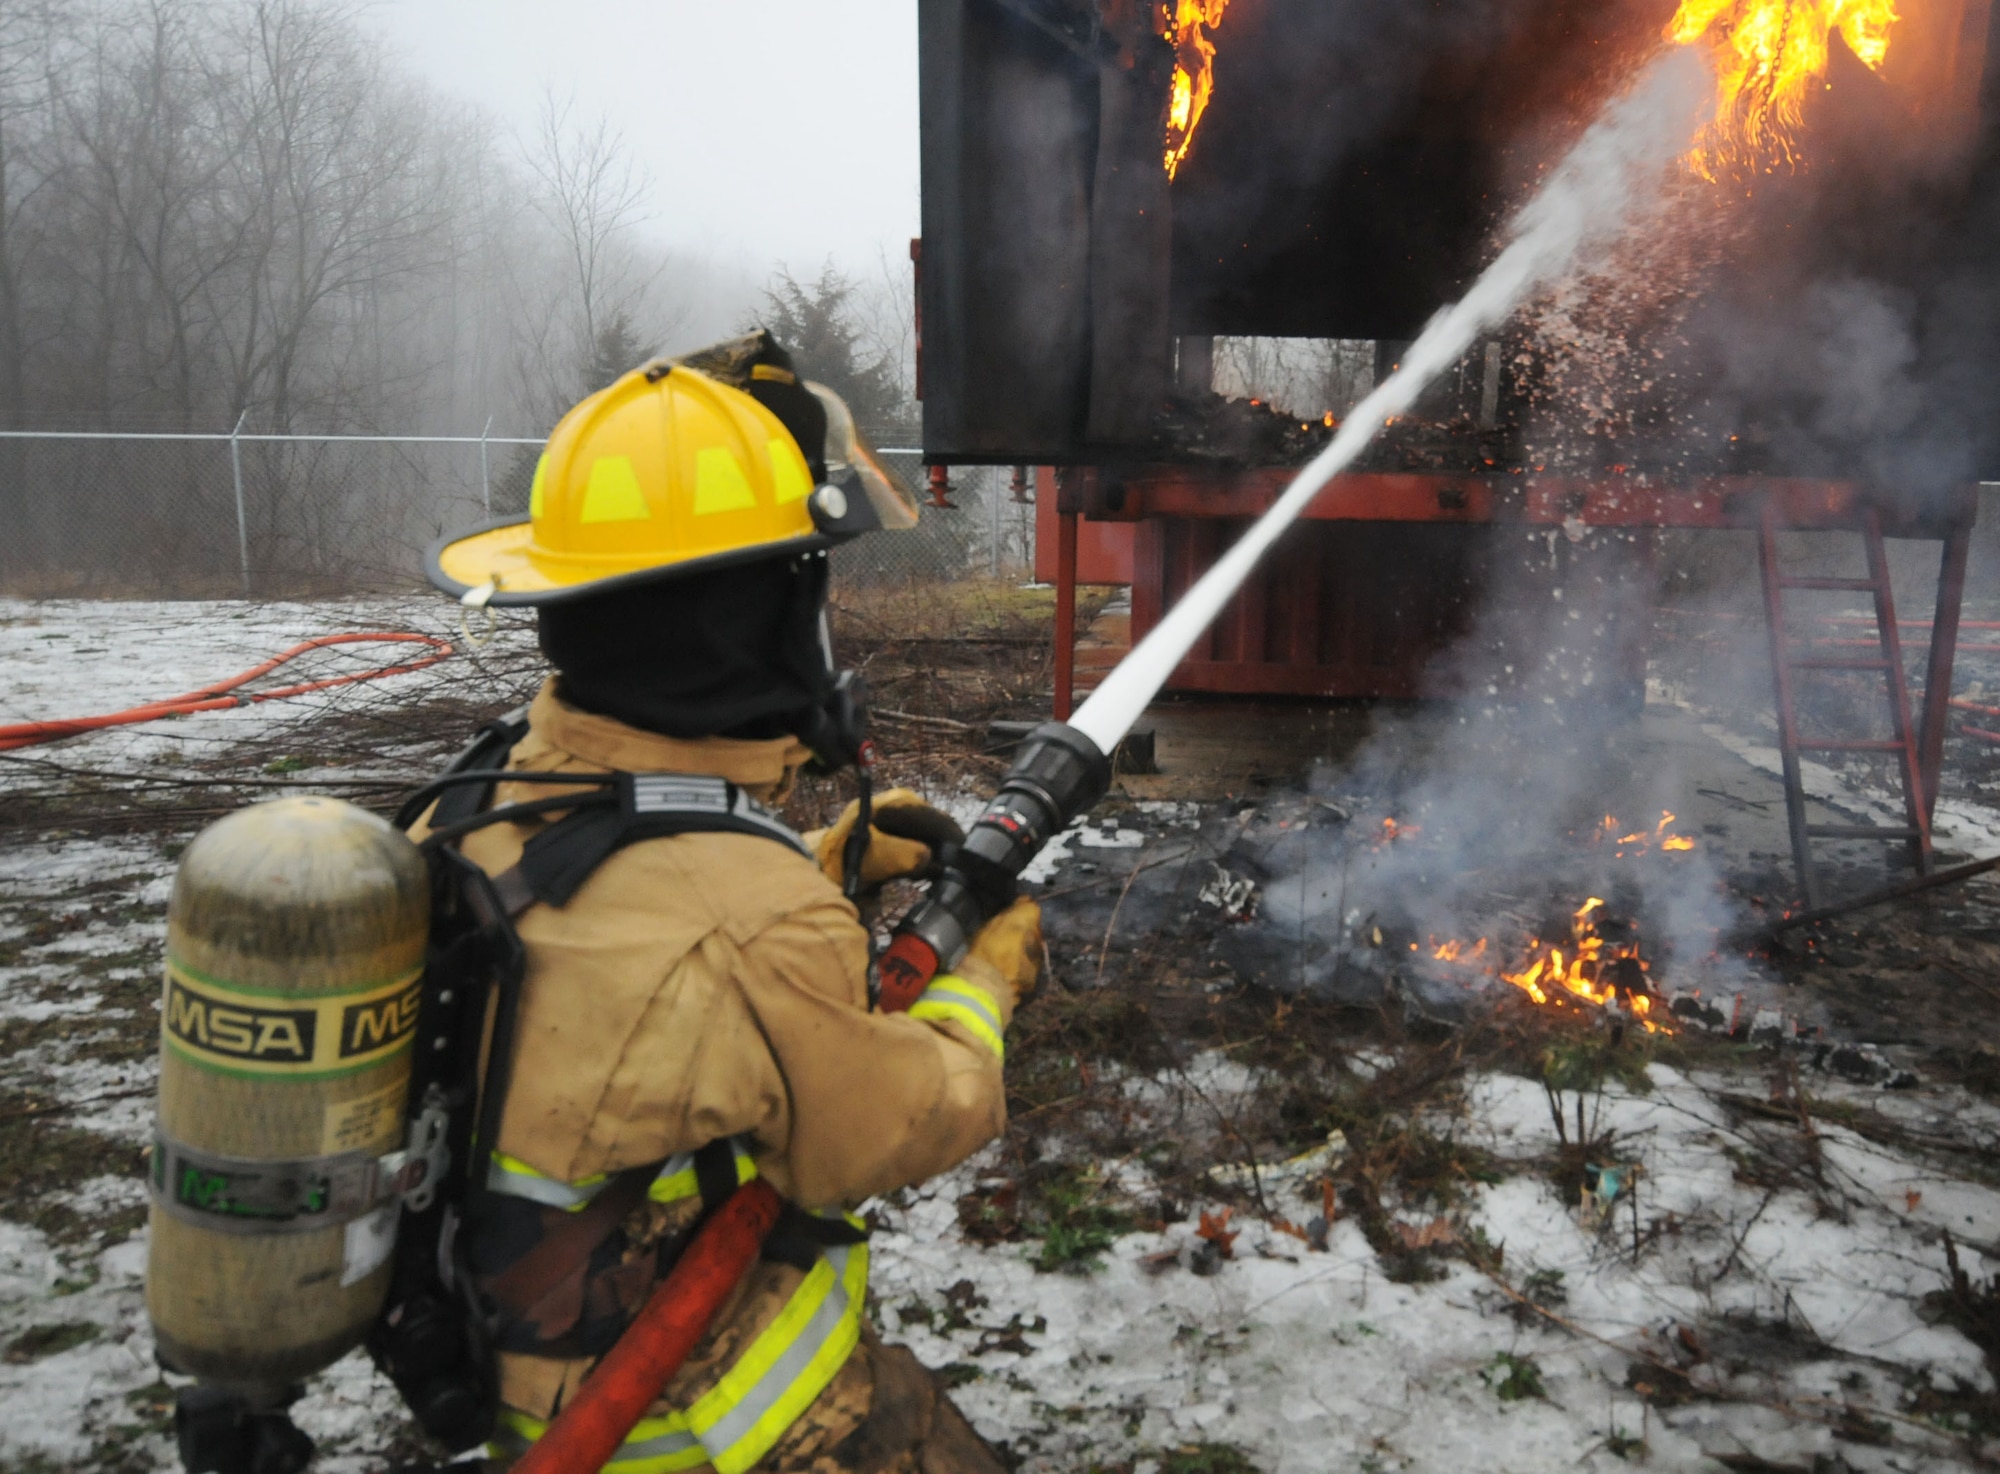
(222, 208)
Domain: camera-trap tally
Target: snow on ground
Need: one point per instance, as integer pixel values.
(1312, 1361)
(75, 658)
(1779, 1316)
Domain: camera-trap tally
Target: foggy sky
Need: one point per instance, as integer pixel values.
(774, 130)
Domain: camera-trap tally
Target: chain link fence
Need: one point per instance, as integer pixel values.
(146, 514)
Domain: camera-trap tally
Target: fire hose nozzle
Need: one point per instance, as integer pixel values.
(1059, 774)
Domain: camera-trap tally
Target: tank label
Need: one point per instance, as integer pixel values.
(239, 1031)
(359, 1124)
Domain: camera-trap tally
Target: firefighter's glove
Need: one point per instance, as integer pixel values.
(1010, 945)
(901, 840)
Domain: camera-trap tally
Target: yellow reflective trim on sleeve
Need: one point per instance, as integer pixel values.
(951, 983)
(952, 999)
(939, 1011)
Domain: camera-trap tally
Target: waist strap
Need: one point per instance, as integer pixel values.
(553, 1258)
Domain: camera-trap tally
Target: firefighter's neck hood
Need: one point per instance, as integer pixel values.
(737, 652)
(763, 767)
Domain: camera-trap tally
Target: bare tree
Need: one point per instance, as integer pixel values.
(592, 194)
(27, 42)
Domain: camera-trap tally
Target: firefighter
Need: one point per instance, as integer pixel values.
(698, 1011)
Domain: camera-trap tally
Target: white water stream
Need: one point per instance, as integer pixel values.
(1587, 201)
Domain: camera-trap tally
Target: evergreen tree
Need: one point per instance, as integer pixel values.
(815, 323)
(616, 352)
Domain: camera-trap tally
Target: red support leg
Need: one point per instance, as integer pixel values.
(1065, 614)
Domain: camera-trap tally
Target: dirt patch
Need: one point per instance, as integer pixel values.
(41, 1160)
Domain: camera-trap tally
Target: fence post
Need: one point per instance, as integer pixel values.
(242, 527)
(993, 505)
(485, 482)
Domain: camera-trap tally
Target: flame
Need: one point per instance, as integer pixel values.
(1639, 841)
(1186, 23)
(1767, 55)
(1580, 970)
(1392, 831)
(1585, 975)
(1456, 951)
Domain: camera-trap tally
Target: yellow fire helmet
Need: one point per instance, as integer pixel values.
(669, 471)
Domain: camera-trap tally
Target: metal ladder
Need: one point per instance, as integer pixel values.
(1905, 741)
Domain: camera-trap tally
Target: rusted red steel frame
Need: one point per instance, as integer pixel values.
(1632, 502)
(1618, 501)
(1065, 614)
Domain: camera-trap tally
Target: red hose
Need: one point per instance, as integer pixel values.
(211, 698)
(616, 1394)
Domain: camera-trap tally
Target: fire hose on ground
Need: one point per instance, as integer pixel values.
(217, 697)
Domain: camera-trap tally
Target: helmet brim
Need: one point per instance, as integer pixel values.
(497, 554)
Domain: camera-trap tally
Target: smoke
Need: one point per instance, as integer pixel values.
(1504, 796)
(1837, 323)
(1836, 319)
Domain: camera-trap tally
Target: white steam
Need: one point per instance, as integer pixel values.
(1587, 202)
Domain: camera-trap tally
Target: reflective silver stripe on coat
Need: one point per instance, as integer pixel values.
(538, 1187)
(666, 1445)
(791, 1364)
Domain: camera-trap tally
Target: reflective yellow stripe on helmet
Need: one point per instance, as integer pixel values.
(743, 1416)
(952, 999)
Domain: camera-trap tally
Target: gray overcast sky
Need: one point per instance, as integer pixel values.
(774, 130)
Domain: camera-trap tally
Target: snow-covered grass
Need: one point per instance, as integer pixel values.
(1774, 1306)
(1314, 1360)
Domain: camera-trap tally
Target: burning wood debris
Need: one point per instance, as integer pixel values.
(1606, 972)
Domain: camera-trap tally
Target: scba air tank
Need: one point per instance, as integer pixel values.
(295, 945)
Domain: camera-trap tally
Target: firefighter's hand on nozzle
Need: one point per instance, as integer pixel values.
(1011, 945)
(900, 840)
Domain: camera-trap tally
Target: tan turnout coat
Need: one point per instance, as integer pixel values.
(707, 985)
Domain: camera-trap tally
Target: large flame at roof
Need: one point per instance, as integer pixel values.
(1768, 54)
(1186, 23)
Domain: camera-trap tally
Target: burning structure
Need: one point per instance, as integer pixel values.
(1109, 188)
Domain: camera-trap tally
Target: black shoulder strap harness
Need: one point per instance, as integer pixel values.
(615, 810)
(436, 1338)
